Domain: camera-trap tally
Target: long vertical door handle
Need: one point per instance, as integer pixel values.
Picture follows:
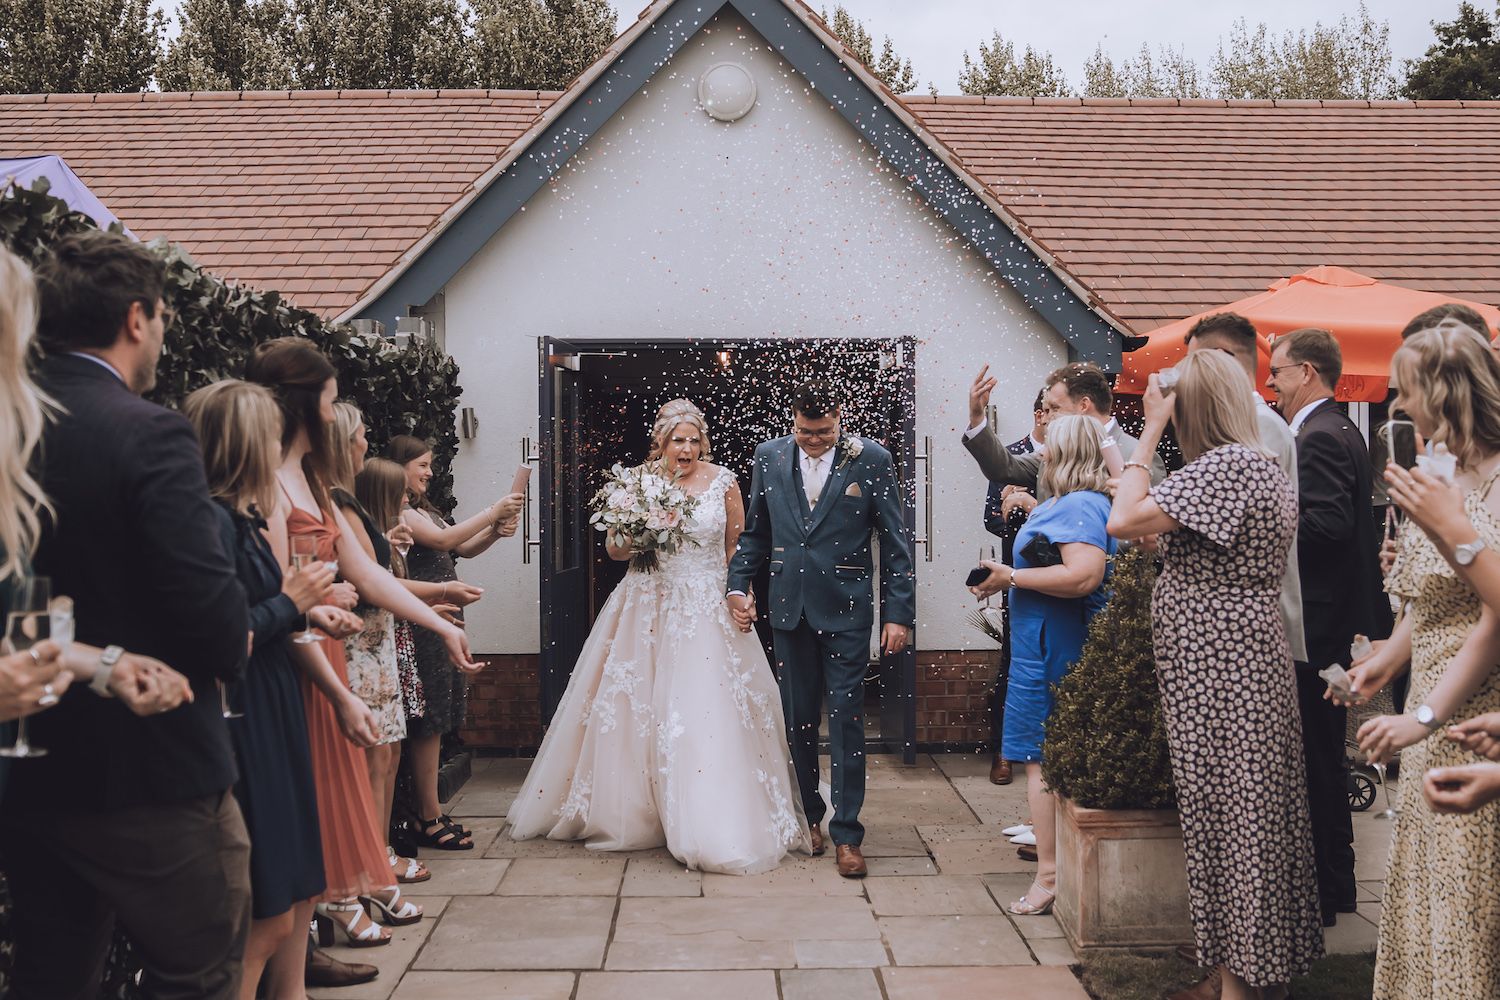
(925, 457)
(528, 457)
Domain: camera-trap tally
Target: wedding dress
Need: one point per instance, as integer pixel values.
(670, 731)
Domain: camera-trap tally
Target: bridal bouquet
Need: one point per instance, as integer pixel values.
(643, 511)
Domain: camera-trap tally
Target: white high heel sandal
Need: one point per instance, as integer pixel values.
(345, 916)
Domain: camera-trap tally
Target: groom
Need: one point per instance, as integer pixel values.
(816, 500)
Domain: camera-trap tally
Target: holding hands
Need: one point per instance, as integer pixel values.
(148, 686)
(742, 610)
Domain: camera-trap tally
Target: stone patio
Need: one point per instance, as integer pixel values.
(549, 921)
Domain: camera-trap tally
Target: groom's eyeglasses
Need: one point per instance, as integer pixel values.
(811, 435)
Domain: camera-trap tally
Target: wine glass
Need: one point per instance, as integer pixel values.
(1389, 812)
(27, 623)
(986, 553)
(304, 553)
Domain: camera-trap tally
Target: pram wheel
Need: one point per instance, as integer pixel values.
(1361, 791)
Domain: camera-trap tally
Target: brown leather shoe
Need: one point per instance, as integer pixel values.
(818, 845)
(1209, 989)
(1026, 853)
(323, 970)
(851, 861)
(999, 771)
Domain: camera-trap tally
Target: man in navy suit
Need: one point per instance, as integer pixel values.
(817, 501)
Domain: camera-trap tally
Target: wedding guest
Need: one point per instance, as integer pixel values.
(354, 859)
(1224, 667)
(1341, 584)
(239, 428)
(1005, 510)
(128, 819)
(1056, 586)
(1440, 925)
(1449, 315)
(435, 544)
(1079, 388)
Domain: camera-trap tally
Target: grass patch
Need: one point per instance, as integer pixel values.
(1151, 977)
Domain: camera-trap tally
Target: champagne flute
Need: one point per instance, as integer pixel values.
(1389, 811)
(986, 553)
(304, 553)
(27, 623)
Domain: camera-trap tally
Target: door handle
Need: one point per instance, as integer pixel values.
(528, 457)
(925, 457)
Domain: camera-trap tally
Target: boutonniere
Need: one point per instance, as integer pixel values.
(851, 446)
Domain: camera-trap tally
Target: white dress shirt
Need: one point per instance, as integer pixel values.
(1304, 413)
(815, 474)
(101, 363)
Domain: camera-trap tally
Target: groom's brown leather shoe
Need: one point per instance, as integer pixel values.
(818, 846)
(999, 771)
(851, 861)
(323, 970)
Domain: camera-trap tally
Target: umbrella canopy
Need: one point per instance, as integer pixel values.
(1365, 315)
(65, 184)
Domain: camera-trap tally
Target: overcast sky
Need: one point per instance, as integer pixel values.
(933, 34)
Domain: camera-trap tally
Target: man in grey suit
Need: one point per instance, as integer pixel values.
(1079, 388)
(817, 499)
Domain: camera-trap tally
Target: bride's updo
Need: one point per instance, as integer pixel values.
(678, 411)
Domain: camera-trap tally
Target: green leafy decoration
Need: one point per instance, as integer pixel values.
(411, 389)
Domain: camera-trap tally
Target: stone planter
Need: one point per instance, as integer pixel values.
(1121, 878)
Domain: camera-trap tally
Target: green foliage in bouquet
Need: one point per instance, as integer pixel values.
(401, 390)
(1106, 745)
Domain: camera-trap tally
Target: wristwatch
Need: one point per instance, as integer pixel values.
(107, 660)
(1425, 715)
(1467, 552)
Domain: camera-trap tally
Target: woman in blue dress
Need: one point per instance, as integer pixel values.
(1056, 587)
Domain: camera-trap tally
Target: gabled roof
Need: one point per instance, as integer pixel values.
(1153, 210)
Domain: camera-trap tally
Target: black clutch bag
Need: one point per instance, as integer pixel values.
(1040, 552)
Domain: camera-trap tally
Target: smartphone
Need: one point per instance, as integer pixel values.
(977, 575)
(1399, 438)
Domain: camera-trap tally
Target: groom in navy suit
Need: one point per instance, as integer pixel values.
(816, 501)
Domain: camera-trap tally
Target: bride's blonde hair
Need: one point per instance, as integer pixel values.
(23, 411)
(678, 411)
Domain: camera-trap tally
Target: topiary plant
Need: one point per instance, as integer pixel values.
(1106, 745)
(401, 390)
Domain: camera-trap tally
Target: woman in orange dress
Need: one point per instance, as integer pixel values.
(339, 724)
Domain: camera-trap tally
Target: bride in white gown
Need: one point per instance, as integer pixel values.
(671, 731)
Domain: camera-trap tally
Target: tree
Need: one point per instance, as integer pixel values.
(380, 44)
(1464, 65)
(231, 45)
(1348, 61)
(538, 44)
(895, 73)
(1170, 73)
(78, 46)
(999, 73)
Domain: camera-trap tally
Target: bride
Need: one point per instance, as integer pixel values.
(670, 731)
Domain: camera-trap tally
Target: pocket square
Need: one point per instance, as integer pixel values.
(853, 491)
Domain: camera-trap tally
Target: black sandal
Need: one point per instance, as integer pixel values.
(457, 825)
(449, 836)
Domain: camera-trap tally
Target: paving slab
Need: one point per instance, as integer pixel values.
(677, 985)
(520, 932)
(952, 941)
(932, 895)
(1353, 935)
(996, 805)
(829, 984)
(391, 959)
(1027, 982)
(502, 846)
(465, 874)
(798, 876)
(481, 986)
(931, 803)
(882, 867)
(1051, 951)
(889, 840)
(748, 932)
(972, 849)
(575, 876)
(660, 876)
(840, 954)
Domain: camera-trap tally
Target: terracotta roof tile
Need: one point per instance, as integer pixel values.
(1161, 208)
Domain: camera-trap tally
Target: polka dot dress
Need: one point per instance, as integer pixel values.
(1230, 701)
(1440, 927)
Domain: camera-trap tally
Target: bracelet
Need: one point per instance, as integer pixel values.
(444, 598)
(107, 660)
(1136, 465)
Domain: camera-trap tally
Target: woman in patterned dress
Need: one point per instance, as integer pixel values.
(1440, 926)
(1228, 519)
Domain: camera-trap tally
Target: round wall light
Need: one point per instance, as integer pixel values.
(726, 91)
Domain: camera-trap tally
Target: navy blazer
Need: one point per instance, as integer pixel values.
(136, 542)
(821, 563)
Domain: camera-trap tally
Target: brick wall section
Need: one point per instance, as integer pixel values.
(952, 705)
(505, 711)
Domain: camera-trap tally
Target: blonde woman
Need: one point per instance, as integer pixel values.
(1056, 587)
(1440, 928)
(1224, 666)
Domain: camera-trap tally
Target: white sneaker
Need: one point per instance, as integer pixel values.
(1027, 839)
(1017, 830)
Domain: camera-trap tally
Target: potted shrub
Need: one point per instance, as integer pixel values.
(1122, 879)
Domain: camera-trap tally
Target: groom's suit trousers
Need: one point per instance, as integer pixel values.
(812, 667)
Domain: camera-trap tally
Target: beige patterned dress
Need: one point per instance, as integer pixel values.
(1440, 929)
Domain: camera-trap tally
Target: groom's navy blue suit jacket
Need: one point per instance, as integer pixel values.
(821, 565)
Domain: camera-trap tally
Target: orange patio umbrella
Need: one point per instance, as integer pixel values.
(1366, 316)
